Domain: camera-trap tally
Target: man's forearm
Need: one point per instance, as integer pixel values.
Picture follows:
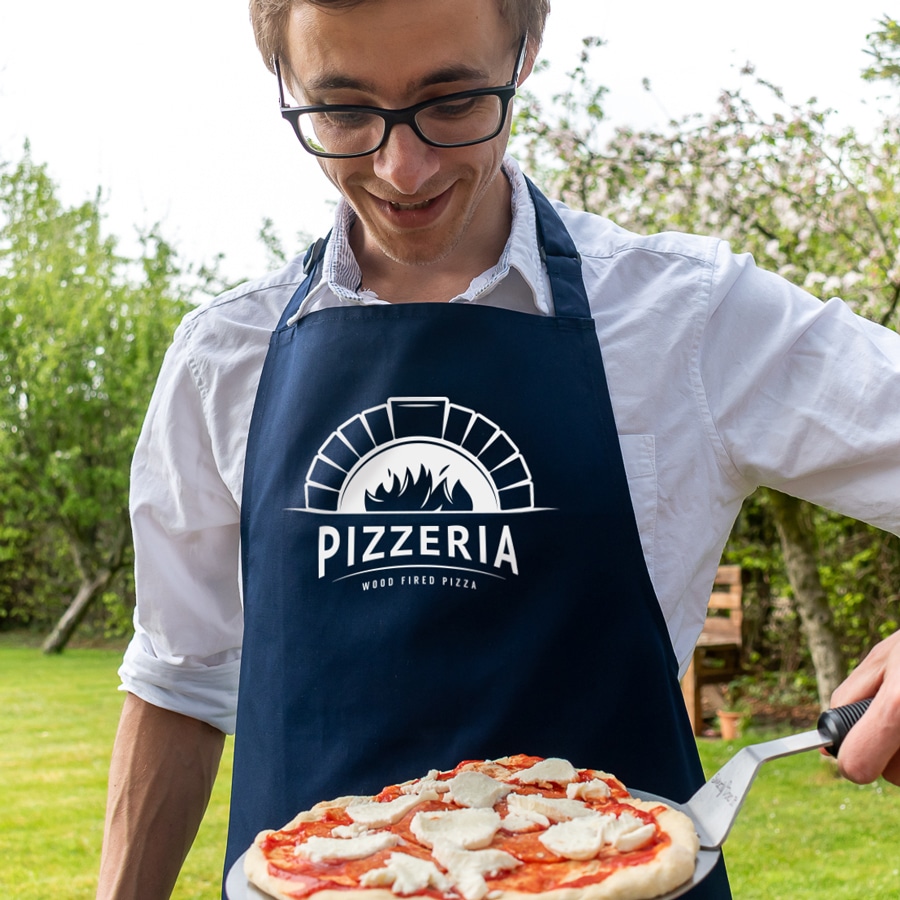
(160, 778)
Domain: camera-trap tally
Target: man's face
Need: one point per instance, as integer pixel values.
(417, 204)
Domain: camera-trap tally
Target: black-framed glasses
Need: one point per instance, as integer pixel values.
(340, 131)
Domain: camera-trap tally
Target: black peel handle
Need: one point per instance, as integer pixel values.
(836, 723)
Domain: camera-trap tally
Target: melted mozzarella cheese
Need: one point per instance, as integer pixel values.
(475, 789)
(588, 790)
(354, 829)
(556, 810)
(634, 840)
(576, 839)
(518, 822)
(624, 823)
(468, 868)
(430, 782)
(406, 874)
(380, 815)
(319, 849)
(471, 829)
(583, 838)
(548, 771)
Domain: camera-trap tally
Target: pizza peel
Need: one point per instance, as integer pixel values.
(716, 804)
(712, 809)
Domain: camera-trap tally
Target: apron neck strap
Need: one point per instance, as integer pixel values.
(563, 261)
(312, 267)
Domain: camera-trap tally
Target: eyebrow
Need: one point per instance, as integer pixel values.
(331, 81)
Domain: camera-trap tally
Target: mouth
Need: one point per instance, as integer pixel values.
(403, 207)
(415, 214)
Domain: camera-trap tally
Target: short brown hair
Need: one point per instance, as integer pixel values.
(269, 20)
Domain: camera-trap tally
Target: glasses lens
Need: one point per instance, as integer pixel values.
(341, 132)
(462, 121)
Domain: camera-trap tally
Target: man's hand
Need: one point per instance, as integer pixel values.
(160, 778)
(873, 746)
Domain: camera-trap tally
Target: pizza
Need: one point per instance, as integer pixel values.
(516, 828)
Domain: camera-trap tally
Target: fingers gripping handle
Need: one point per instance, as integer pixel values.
(836, 723)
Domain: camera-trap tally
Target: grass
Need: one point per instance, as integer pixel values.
(803, 832)
(57, 723)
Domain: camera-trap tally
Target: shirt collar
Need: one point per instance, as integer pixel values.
(343, 275)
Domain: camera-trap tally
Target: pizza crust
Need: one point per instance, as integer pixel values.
(669, 868)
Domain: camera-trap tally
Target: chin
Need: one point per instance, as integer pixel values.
(402, 253)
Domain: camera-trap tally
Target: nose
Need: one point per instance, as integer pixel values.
(405, 162)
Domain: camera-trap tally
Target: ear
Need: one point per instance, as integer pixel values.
(531, 52)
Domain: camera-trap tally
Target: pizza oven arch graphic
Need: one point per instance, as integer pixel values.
(419, 454)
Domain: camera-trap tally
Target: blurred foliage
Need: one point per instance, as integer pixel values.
(816, 203)
(884, 48)
(82, 334)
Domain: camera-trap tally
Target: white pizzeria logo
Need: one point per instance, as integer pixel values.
(413, 456)
(419, 454)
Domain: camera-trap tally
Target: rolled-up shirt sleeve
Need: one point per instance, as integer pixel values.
(185, 654)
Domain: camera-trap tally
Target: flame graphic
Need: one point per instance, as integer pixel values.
(419, 494)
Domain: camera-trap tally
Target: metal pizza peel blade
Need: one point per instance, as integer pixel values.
(714, 808)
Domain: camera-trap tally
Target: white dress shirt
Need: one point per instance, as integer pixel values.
(723, 377)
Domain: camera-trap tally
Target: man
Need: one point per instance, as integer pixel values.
(462, 533)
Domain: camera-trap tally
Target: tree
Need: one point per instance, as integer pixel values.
(819, 206)
(82, 333)
(884, 48)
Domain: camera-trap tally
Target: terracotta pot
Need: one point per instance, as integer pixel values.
(729, 724)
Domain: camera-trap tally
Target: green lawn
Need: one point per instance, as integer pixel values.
(803, 832)
(58, 718)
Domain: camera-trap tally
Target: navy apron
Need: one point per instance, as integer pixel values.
(440, 558)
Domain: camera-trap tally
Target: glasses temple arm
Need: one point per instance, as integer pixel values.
(277, 66)
(520, 59)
